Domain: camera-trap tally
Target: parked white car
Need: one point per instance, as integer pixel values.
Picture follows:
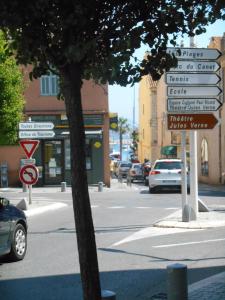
(166, 174)
(135, 172)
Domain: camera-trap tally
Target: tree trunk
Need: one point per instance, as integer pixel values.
(71, 87)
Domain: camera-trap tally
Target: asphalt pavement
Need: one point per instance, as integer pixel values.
(212, 288)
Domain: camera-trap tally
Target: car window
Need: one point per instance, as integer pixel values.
(169, 165)
(136, 166)
(125, 165)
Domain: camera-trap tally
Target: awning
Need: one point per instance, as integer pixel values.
(169, 150)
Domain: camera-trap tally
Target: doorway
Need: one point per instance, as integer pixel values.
(53, 162)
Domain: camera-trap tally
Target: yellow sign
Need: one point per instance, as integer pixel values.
(97, 144)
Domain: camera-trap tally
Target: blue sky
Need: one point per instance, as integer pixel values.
(123, 99)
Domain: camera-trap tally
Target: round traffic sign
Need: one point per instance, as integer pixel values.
(29, 174)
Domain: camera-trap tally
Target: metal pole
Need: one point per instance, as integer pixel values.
(177, 287)
(185, 208)
(193, 202)
(30, 194)
(100, 186)
(63, 186)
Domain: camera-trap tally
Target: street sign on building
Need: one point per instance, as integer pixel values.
(192, 104)
(191, 121)
(29, 174)
(192, 78)
(29, 147)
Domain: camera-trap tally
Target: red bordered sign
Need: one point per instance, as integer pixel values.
(29, 174)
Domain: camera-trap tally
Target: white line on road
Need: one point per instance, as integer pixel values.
(143, 207)
(190, 243)
(170, 208)
(116, 207)
(94, 206)
(152, 231)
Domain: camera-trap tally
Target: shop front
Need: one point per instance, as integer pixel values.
(53, 156)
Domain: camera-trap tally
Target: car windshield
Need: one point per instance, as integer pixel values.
(125, 165)
(169, 165)
(136, 166)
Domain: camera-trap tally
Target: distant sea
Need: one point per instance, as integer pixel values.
(125, 151)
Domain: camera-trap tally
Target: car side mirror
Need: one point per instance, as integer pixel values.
(4, 202)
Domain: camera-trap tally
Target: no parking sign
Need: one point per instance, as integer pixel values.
(29, 174)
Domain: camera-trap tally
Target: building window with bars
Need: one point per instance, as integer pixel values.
(49, 85)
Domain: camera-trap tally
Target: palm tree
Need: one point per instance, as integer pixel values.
(123, 127)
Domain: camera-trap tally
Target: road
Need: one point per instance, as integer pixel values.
(133, 255)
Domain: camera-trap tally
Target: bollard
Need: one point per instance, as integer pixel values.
(100, 186)
(177, 287)
(24, 188)
(63, 186)
(108, 295)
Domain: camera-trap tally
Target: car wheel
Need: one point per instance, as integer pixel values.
(19, 243)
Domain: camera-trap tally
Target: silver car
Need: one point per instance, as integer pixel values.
(123, 168)
(166, 174)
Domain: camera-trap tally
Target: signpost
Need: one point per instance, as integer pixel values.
(193, 104)
(36, 130)
(192, 89)
(191, 121)
(29, 174)
(29, 147)
(196, 66)
(39, 134)
(192, 78)
(182, 91)
(194, 53)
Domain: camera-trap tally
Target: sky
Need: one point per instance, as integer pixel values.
(124, 100)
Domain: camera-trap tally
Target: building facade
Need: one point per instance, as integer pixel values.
(53, 154)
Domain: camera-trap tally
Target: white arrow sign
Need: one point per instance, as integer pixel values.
(192, 78)
(196, 66)
(194, 53)
(36, 126)
(192, 105)
(186, 91)
(41, 134)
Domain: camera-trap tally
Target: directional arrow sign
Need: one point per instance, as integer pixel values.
(192, 105)
(195, 53)
(192, 78)
(41, 134)
(36, 126)
(186, 91)
(196, 66)
(191, 121)
(29, 147)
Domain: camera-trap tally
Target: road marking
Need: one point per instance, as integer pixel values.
(42, 209)
(151, 232)
(94, 206)
(190, 243)
(116, 207)
(168, 208)
(143, 207)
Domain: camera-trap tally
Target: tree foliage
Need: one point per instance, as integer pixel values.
(97, 39)
(11, 95)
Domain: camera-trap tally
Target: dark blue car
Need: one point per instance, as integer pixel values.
(13, 231)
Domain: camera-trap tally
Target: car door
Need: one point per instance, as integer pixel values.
(4, 228)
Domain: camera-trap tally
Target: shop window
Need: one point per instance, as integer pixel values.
(204, 158)
(87, 151)
(49, 85)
